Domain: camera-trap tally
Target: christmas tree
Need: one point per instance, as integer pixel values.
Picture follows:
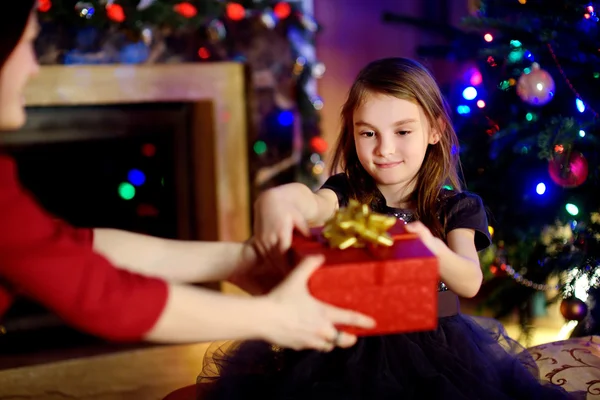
(274, 38)
(526, 107)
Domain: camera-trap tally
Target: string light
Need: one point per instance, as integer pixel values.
(260, 147)
(115, 12)
(469, 93)
(540, 188)
(526, 282)
(282, 10)
(580, 106)
(235, 11)
(463, 109)
(203, 53)
(136, 177)
(148, 150)
(44, 5)
(185, 9)
(572, 209)
(285, 118)
(566, 79)
(126, 191)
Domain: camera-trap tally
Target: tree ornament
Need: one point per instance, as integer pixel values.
(216, 30)
(568, 169)
(143, 4)
(85, 9)
(573, 309)
(536, 87)
(269, 19)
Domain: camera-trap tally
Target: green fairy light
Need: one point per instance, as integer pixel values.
(504, 85)
(126, 191)
(572, 209)
(515, 56)
(260, 147)
(515, 44)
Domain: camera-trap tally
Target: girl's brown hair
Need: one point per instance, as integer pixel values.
(408, 80)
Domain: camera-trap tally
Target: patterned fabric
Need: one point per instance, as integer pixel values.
(573, 364)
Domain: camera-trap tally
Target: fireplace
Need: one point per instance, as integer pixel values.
(125, 166)
(158, 149)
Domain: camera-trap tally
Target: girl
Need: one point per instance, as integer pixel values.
(73, 271)
(398, 151)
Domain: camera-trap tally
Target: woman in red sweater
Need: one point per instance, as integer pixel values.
(125, 286)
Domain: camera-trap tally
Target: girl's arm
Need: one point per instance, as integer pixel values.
(280, 210)
(459, 263)
(314, 207)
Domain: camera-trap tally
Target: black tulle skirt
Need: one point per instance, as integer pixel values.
(464, 358)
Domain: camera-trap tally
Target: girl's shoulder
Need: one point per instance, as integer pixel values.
(465, 210)
(340, 185)
(450, 199)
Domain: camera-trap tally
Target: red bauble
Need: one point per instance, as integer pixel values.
(568, 169)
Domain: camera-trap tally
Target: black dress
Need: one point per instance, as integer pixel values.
(464, 358)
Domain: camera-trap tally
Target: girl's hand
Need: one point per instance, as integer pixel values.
(254, 275)
(434, 244)
(274, 224)
(299, 321)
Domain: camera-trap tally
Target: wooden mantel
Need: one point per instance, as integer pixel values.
(218, 92)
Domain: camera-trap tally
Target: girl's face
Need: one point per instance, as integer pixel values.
(391, 136)
(19, 67)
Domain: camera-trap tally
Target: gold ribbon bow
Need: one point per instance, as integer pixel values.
(356, 225)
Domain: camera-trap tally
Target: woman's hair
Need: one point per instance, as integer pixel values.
(12, 25)
(407, 80)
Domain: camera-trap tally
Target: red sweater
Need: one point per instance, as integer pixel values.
(54, 264)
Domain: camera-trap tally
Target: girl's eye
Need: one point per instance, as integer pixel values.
(402, 133)
(368, 134)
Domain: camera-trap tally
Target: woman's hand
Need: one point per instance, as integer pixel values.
(299, 321)
(434, 244)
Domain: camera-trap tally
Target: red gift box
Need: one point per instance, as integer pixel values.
(396, 285)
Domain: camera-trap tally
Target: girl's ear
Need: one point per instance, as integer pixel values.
(435, 135)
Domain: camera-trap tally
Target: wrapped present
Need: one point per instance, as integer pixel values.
(375, 266)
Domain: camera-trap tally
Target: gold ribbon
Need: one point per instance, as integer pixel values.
(356, 225)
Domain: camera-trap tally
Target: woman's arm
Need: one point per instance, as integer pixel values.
(173, 260)
(288, 316)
